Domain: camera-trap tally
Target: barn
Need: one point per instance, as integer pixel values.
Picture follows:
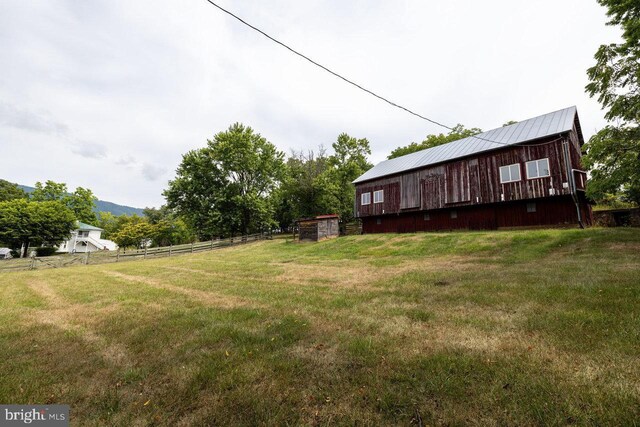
(523, 175)
(318, 228)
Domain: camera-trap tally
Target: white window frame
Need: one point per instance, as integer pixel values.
(375, 194)
(538, 168)
(362, 202)
(508, 167)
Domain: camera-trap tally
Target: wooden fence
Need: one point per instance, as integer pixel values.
(104, 257)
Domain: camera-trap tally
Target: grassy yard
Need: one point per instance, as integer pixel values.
(502, 328)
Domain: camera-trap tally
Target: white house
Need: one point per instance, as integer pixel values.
(5, 253)
(86, 238)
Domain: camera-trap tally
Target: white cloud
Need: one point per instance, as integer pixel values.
(152, 79)
(89, 150)
(125, 161)
(35, 121)
(153, 172)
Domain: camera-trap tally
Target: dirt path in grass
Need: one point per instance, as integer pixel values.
(208, 297)
(62, 315)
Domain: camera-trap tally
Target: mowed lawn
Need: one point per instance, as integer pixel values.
(485, 328)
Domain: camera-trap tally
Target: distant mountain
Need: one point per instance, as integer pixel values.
(103, 206)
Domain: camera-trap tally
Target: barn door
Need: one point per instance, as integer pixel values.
(410, 191)
(431, 193)
(457, 182)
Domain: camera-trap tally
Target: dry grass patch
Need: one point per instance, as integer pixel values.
(208, 297)
(510, 328)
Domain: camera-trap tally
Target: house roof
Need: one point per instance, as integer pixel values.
(527, 130)
(4, 251)
(83, 226)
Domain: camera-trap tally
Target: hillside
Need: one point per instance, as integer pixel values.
(485, 328)
(104, 206)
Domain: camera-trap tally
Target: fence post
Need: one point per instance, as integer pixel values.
(170, 248)
(86, 260)
(145, 252)
(211, 242)
(118, 255)
(192, 243)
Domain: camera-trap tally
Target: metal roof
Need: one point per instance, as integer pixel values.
(83, 226)
(527, 130)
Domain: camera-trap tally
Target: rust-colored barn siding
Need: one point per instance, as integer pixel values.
(475, 182)
(559, 210)
(391, 203)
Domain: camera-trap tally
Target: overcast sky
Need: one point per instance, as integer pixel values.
(109, 94)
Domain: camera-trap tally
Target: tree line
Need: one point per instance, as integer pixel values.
(46, 216)
(240, 183)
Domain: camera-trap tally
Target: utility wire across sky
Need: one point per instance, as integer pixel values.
(351, 82)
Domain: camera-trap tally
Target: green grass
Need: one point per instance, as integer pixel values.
(500, 328)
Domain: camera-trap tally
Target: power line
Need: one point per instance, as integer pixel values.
(351, 82)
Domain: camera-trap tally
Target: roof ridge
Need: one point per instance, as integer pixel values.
(523, 131)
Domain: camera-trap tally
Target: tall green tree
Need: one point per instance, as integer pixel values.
(81, 201)
(49, 191)
(228, 186)
(458, 132)
(24, 223)
(134, 234)
(348, 162)
(304, 191)
(613, 154)
(10, 191)
(169, 228)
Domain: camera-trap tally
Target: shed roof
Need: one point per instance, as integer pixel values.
(319, 217)
(83, 226)
(527, 130)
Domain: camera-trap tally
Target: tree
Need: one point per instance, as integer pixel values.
(347, 163)
(10, 191)
(304, 191)
(136, 234)
(228, 186)
(49, 191)
(613, 154)
(23, 223)
(81, 201)
(458, 132)
(169, 228)
(109, 224)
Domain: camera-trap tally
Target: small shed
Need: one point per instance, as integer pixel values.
(318, 228)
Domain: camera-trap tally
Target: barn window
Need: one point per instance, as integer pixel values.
(531, 207)
(378, 196)
(365, 198)
(427, 217)
(538, 168)
(379, 221)
(454, 214)
(510, 173)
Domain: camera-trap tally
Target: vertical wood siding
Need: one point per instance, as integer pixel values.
(548, 211)
(474, 181)
(410, 191)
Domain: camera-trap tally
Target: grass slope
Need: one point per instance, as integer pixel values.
(511, 328)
